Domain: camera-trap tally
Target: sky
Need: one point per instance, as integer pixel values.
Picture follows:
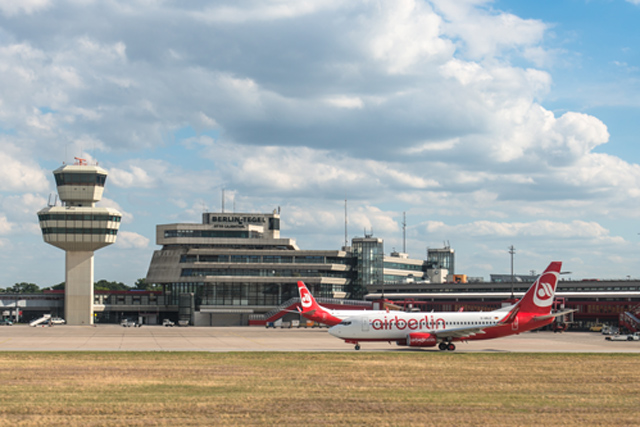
(487, 123)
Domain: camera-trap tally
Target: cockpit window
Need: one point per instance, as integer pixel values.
(345, 322)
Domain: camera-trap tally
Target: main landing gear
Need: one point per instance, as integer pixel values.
(444, 345)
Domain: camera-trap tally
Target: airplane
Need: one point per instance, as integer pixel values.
(428, 329)
(310, 309)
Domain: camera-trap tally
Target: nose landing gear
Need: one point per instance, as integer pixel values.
(357, 344)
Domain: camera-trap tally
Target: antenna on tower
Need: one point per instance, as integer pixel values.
(55, 201)
(222, 199)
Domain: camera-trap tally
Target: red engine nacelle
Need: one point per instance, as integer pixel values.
(421, 339)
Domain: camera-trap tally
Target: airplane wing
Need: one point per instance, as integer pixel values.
(552, 315)
(458, 332)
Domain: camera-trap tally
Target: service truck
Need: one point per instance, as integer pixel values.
(623, 337)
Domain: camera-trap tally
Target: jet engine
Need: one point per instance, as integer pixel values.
(421, 339)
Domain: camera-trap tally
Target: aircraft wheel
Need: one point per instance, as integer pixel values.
(357, 347)
(451, 346)
(442, 346)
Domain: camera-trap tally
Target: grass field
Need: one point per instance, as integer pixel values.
(420, 388)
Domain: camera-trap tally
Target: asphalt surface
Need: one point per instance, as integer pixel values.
(226, 339)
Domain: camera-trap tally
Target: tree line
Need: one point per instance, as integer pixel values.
(100, 285)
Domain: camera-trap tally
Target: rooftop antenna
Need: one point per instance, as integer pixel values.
(404, 232)
(222, 199)
(55, 200)
(346, 239)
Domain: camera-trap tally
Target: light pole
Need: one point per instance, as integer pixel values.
(512, 251)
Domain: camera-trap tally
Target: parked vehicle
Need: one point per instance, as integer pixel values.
(596, 328)
(631, 337)
(57, 321)
(6, 322)
(129, 323)
(167, 323)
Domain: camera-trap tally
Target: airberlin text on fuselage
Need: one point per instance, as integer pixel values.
(411, 324)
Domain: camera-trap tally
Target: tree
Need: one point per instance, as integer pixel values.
(24, 288)
(58, 287)
(141, 284)
(103, 285)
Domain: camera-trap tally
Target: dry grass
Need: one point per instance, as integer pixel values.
(418, 388)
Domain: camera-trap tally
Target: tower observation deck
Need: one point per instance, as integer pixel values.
(79, 228)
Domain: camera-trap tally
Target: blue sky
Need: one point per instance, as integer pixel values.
(490, 123)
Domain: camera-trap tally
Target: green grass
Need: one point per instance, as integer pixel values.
(145, 389)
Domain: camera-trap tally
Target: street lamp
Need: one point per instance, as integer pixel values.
(512, 251)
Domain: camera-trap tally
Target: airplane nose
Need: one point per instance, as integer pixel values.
(335, 330)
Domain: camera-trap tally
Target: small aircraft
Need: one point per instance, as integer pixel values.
(310, 309)
(428, 329)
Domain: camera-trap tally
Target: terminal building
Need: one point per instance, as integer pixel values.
(234, 266)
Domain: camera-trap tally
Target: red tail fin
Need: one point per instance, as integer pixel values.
(312, 310)
(539, 297)
(307, 301)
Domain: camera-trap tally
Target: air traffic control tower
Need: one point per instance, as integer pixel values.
(79, 228)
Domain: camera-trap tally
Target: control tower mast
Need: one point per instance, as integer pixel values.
(79, 228)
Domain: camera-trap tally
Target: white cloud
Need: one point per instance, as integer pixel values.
(402, 105)
(405, 33)
(15, 7)
(550, 229)
(129, 239)
(136, 176)
(263, 11)
(17, 175)
(344, 101)
(486, 34)
(5, 225)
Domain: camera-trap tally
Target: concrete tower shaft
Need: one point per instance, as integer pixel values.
(79, 228)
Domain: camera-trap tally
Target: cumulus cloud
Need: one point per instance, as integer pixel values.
(5, 225)
(574, 230)
(20, 175)
(136, 176)
(14, 7)
(129, 239)
(434, 107)
(487, 33)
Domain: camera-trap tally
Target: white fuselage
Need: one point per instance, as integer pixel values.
(397, 325)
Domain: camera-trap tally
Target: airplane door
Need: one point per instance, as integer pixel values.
(365, 324)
